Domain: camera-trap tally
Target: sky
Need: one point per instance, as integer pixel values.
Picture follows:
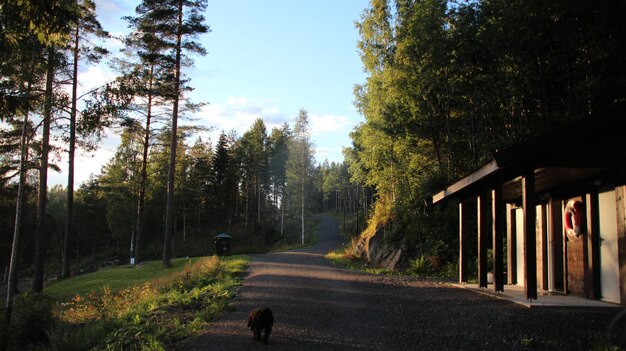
(266, 59)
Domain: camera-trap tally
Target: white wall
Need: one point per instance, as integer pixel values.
(609, 261)
(519, 247)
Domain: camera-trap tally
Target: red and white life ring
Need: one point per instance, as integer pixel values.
(572, 216)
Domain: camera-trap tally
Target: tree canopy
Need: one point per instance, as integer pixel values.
(449, 83)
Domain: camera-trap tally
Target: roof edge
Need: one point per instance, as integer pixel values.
(472, 178)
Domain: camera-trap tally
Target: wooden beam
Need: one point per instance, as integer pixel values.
(463, 231)
(498, 214)
(530, 235)
(592, 275)
(511, 228)
(620, 195)
(483, 229)
(471, 179)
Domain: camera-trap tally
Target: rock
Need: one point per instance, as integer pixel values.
(381, 253)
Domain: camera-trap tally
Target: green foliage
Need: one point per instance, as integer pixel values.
(601, 344)
(300, 170)
(420, 266)
(69, 337)
(171, 305)
(447, 86)
(31, 323)
(115, 278)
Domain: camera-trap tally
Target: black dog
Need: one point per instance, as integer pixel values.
(261, 319)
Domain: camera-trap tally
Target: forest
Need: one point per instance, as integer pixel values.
(166, 192)
(451, 82)
(448, 83)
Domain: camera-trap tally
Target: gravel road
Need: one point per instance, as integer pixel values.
(320, 307)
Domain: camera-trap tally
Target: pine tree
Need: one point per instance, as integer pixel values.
(145, 75)
(85, 26)
(221, 190)
(254, 158)
(179, 22)
(278, 149)
(31, 30)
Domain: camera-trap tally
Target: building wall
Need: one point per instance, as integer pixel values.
(609, 261)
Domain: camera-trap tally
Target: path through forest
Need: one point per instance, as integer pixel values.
(320, 307)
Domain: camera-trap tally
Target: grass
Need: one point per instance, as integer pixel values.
(124, 308)
(347, 257)
(115, 278)
(354, 264)
(426, 267)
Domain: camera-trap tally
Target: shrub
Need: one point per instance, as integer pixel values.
(154, 316)
(78, 337)
(31, 322)
(420, 266)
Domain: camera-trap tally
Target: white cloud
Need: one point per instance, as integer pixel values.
(322, 153)
(328, 131)
(109, 11)
(327, 123)
(93, 77)
(239, 113)
(86, 164)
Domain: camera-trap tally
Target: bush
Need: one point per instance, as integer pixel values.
(420, 266)
(31, 322)
(77, 337)
(154, 316)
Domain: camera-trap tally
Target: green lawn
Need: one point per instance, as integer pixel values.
(146, 307)
(115, 278)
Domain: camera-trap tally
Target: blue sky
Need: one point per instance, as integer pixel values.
(265, 59)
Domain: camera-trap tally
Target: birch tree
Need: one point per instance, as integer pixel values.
(300, 165)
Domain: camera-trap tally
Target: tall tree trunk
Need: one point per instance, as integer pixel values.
(302, 214)
(258, 210)
(282, 211)
(357, 210)
(169, 213)
(247, 202)
(19, 206)
(40, 239)
(144, 175)
(302, 198)
(65, 263)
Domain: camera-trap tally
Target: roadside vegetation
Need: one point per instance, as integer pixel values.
(126, 308)
(349, 256)
(427, 267)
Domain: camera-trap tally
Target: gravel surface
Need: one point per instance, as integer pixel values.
(320, 307)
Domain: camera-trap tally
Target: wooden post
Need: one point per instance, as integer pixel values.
(592, 275)
(511, 228)
(556, 240)
(498, 208)
(463, 243)
(565, 264)
(542, 247)
(620, 195)
(482, 239)
(530, 235)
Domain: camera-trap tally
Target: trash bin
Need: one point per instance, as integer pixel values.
(222, 244)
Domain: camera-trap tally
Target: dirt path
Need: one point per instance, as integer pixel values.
(319, 307)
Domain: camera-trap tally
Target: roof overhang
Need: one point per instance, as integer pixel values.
(579, 154)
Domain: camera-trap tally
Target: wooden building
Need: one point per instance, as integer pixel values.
(521, 202)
